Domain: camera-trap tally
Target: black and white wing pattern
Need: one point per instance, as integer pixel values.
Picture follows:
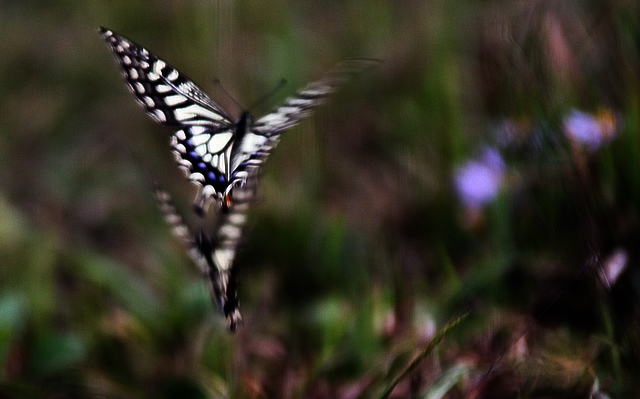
(215, 150)
(214, 253)
(168, 96)
(304, 102)
(263, 135)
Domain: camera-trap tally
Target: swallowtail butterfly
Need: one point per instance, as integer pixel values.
(215, 150)
(214, 253)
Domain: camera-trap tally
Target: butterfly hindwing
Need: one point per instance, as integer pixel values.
(205, 157)
(214, 253)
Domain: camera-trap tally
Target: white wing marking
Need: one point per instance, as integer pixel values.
(219, 141)
(159, 66)
(201, 138)
(201, 150)
(161, 88)
(159, 115)
(186, 113)
(173, 75)
(174, 100)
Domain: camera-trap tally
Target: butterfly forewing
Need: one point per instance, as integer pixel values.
(304, 102)
(168, 96)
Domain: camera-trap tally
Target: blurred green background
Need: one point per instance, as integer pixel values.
(490, 165)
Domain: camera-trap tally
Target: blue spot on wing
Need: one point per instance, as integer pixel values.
(197, 168)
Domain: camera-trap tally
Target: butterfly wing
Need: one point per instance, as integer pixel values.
(215, 254)
(305, 101)
(205, 155)
(229, 231)
(264, 135)
(168, 96)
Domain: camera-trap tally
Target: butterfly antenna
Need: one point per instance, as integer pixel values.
(269, 94)
(226, 93)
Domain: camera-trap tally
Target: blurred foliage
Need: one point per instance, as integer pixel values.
(360, 248)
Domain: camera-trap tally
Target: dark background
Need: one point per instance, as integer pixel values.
(361, 246)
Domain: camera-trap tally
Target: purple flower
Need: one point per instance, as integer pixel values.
(591, 130)
(478, 181)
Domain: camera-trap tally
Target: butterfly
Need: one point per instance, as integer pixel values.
(214, 253)
(215, 150)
